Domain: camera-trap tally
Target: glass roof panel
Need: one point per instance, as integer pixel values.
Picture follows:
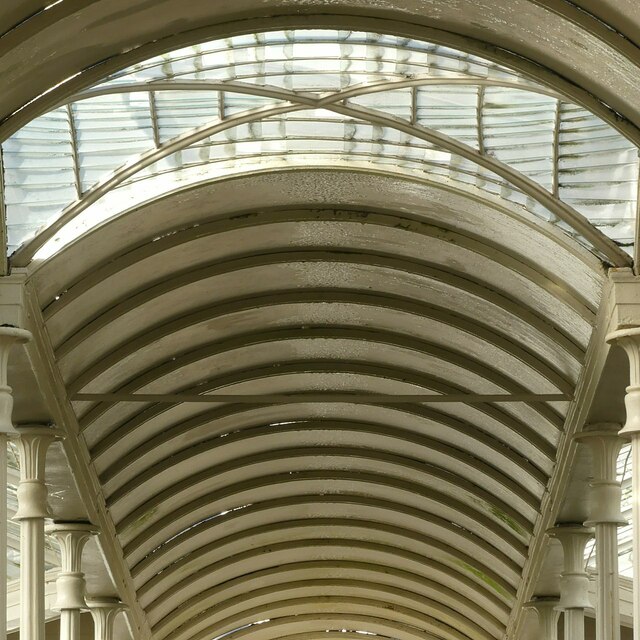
(330, 95)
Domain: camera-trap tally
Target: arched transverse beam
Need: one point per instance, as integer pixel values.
(466, 285)
(353, 545)
(185, 549)
(348, 192)
(455, 538)
(270, 376)
(411, 376)
(371, 259)
(328, 520)
(282, 336)
(387, 597)
(298, 101)
(448, 567)
(322, 621)
(196, 427)
(192, 517)
(146, 415)
(397, 584)
(243, 220)
(430, 617)
(502, 465)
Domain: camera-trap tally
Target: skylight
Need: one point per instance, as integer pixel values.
(285, 99)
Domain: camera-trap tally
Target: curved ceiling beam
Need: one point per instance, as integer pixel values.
(281, 338)
(431, 616)
(248, 221)
(417, 80)
(140, 376)
(217, 421)
(430, 452)
(333, 102)
(440, 559)
(460, 279)
(190, 520)
(369, 540)
(329, 619)
(452, 356)
(196, 534)
(405, 588)
(509, 535)
(268, 374)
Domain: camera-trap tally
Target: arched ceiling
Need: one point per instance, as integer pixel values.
(373, 281)
(398, 519)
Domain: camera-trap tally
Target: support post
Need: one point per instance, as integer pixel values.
(548, 614)
(33, 508)
(629, 340)
(104, 612)
(604, 515)
(574, 580)
(70, 584)
(9, 336)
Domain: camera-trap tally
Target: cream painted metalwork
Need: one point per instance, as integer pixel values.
(400, 218)
(429, 507)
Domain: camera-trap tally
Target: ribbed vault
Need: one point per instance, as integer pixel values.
(399, 219)
(309, 519)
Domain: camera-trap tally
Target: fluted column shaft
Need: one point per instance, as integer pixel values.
(574, 581)
(629, 340)
(70, 584)
(32, 511)
(9, 336)
(605, 516)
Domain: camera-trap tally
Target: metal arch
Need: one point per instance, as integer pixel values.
(431, 615)
(400, 630)
(209, 312)
(244, 418)
(474, 242)
(288, 368)
(449, 577)
(466, 611)
(443, 549)
(513, 534)
(490, 440)
(413, 588)
(142, 376)
(141, 543)
(497, 479)
(197, 33)
(199, 551)
(382, 337)
(453, 278)
(169, 547)
(333, 102)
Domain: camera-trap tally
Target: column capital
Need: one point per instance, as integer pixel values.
(547, 608)
(629, 340)
(605, 495)
(70, 584)
(574, 580)
(33, 444)
(9, 336)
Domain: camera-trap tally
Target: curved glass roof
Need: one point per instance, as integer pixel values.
(314, 98)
